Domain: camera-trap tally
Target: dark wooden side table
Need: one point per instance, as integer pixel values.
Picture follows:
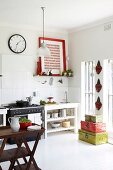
(22, 150)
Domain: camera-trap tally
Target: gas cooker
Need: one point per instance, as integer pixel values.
(14, 106)
(13, 109)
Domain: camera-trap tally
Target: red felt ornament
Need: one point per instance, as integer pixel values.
(98, 67)
(98, 104)
(98, 86)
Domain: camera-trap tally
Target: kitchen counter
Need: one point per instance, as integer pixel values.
(65, 111)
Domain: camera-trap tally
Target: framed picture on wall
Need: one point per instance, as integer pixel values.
(56, 62)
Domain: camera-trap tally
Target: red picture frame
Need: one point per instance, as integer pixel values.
(56, 63)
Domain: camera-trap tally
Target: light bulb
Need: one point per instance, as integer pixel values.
(43, 50)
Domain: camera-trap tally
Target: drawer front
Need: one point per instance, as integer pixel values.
(93, 127)
(99, 138)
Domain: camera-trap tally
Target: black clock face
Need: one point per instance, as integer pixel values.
(17, 43)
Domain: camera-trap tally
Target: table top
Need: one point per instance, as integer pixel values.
(61, 106)
(6, 132)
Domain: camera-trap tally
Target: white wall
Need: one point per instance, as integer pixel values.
(87, 45)
(31, 36)
(18, 69)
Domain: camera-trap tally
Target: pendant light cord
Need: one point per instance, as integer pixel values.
(43, 50)
(43, 22)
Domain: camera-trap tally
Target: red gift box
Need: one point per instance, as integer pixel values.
(93, 127)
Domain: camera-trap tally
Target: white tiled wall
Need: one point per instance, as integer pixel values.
(57, 89)
(18, 81)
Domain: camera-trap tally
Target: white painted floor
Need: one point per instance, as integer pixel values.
(65, 152)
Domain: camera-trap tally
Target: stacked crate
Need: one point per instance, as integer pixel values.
(93, 130)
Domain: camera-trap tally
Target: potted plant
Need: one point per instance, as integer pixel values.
(69, 73)
(64, 73)
(24, 123)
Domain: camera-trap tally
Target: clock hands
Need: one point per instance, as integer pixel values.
(18, 42)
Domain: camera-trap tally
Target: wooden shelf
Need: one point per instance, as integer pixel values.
(24, 166)
(9, 154)
(51, 76)
(50, 130)
(60, 118)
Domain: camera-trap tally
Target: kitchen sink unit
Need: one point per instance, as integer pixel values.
(64, 114)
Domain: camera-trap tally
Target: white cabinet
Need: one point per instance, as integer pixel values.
(65, 112)
(3, 113)
(35, 118)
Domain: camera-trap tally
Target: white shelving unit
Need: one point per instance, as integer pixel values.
(71, 115)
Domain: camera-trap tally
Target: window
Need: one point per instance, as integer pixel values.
(88, 87)
(108, 93)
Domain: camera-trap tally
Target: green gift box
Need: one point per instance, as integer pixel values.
(93, 138)
(93, 118)
(88, 118)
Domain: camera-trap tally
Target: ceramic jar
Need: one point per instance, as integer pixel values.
(55, 115)
(14, 123)
(64, 113)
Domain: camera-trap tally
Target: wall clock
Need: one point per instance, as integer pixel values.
(17, 43)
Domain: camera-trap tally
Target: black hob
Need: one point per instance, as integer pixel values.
(14, 106)
(13, 109)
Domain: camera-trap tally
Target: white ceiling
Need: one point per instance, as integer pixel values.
(59, 14)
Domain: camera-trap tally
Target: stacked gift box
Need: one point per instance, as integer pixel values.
(93, 130)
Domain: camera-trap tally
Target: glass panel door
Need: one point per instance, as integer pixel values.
(88, 88)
